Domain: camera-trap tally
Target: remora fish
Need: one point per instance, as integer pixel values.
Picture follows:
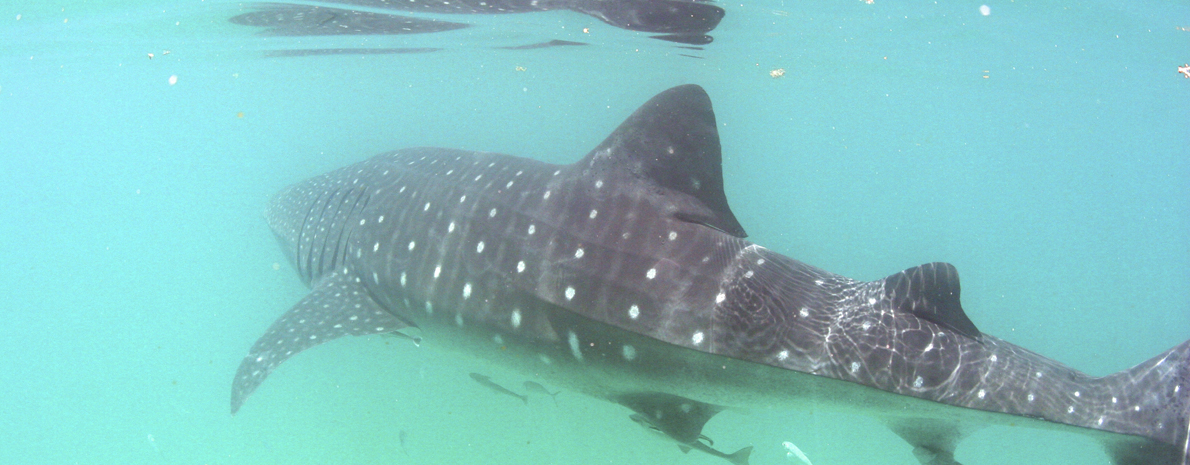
(487, 382)
(539, 389)
(739, 457)
(625, 276)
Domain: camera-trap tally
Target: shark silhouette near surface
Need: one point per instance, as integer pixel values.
(626, 277)
(680, 21)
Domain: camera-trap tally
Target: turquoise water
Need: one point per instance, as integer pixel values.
(1043, 149)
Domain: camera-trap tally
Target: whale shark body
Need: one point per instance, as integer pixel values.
(626, 277)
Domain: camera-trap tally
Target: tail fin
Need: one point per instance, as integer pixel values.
(1151, 400)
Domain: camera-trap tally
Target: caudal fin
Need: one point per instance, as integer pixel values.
(1151, 402)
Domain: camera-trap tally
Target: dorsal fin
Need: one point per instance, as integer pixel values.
(931, 292)
(671, 143)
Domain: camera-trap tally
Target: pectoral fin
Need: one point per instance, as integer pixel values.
(337, 306)
(679, 418)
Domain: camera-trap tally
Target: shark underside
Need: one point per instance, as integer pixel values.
(626, 277)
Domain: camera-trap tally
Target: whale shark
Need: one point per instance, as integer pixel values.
(680, 21)
(626, 277)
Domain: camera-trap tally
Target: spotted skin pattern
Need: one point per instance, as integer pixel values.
(626, 277)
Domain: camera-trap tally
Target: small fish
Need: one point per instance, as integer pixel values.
(487, 382)
(739, 457)
(399, 335)
(794, 452)
(539, 389)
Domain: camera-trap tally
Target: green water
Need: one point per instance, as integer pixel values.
(1044, 149)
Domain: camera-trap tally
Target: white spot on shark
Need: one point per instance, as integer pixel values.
(633, 311)
(629, 353)
(578, 253)
(467, 291)
(479, 247)
(697, 337)
(569, 293)
(515, 318)
(652, 273)
(520, 267)
(574, 345)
